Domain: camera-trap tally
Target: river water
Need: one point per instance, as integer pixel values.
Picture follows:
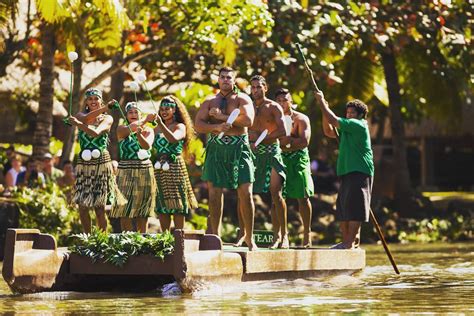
(435, 279)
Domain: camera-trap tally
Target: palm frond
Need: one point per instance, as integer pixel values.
(358, 75)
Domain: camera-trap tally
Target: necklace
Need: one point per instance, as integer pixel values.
(258, 107)
(223, 102)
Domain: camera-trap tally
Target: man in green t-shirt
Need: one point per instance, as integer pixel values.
(355, 167)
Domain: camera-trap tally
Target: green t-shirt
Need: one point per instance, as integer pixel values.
(355, 151)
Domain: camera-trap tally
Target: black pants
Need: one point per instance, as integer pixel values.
(353, 199)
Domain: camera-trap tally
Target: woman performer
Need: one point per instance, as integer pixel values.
(135, 177)
(95, 184)
(175, 195)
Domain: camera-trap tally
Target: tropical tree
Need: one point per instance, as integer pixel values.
(176, 41)
(101, 18)
(12, 39)
(93, 30)
(382, 52)
(391, 34)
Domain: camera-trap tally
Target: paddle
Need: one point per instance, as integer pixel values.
(371, 213)
(261, 137)
(288, 125)
(230, 120)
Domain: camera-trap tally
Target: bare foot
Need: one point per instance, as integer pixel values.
(337, 246)
(275, 245)
(252, 245)
(240, 242)
(342, 245)
(307, 242)
(285, 243)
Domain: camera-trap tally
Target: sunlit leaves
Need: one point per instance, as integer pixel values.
(218, 26)
(8, 9)
(357, 9)
(358, 76)
(53, 11)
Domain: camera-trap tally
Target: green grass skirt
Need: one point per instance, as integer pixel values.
(95, 184)
(136, 181)
(175, 194)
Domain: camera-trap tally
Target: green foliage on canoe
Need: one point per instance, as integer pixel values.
(117, 248)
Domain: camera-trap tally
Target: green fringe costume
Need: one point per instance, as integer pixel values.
(229, 161)
(267, 157)
(135, 180)
(95, 184)
(175, 194)
(299, 183)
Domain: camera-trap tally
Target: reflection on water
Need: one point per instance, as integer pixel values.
(436, 278)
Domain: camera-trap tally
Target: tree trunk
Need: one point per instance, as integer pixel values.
(403, 190)
(44, 119)
(71, 132)
(116, 92)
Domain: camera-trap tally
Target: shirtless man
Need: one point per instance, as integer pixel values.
(299, 184)
(270, 170)
(228, 161)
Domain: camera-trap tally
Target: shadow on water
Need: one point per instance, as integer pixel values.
(436, 278)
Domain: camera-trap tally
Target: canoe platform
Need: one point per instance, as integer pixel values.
(34, 263)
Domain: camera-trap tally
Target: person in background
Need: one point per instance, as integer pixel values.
(12, 174)
(69, 175)
(9, 153)
(31, 177)
(324, 175)
(66, 182)
(51, 173)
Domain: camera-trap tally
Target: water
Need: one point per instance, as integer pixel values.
(435, 279)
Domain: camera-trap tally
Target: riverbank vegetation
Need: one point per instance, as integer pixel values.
(47, 210)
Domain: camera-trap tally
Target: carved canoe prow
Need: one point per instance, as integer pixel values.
(32, 261)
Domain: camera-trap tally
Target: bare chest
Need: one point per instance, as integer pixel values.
(226, 106)
(264, 116)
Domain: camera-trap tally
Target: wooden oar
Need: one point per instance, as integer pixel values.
(384, 243)
(371, 213)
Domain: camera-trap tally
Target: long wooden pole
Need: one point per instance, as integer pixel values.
(372, 216)
(384, 243)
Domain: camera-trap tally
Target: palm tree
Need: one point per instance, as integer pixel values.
(44, 119)
(107, 16)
